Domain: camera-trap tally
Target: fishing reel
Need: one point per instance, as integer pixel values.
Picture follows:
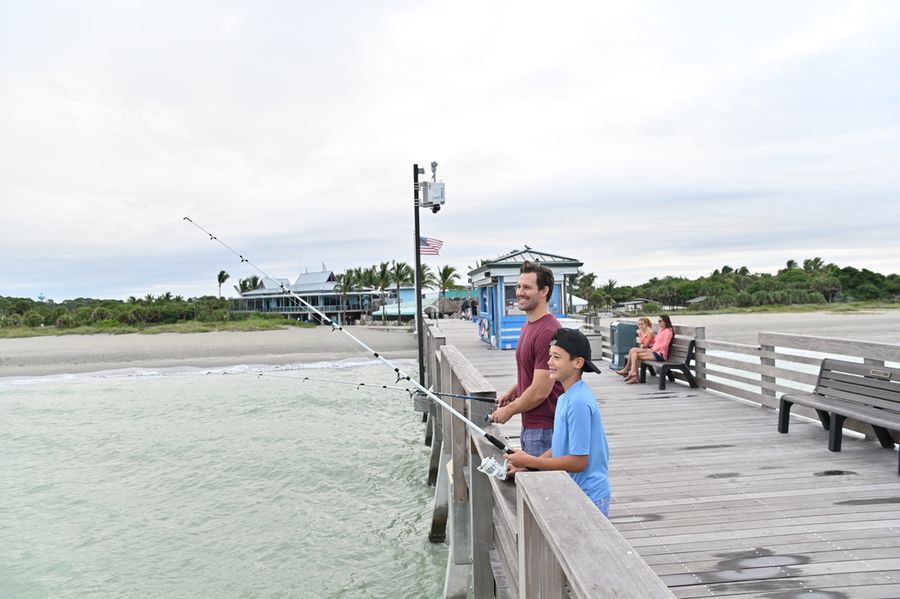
(492, 467)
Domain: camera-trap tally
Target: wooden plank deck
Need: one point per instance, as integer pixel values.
(721, 505)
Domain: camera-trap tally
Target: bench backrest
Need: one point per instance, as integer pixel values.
(681, 349)
(864, 384)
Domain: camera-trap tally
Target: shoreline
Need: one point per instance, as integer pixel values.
(28, 357)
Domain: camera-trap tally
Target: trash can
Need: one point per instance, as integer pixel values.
(622, 337)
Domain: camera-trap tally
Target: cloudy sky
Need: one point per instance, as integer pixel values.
(643, 138)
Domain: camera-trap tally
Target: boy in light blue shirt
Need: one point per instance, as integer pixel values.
(579, 441)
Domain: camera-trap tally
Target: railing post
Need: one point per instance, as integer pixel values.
(540, 575)
(459, 562)
(441, 454)
(700, 356)
(482, 505)
(434, 410)
(767, 382)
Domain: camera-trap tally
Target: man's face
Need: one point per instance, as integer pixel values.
(527, 293)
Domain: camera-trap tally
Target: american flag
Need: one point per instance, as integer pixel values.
(430, 246)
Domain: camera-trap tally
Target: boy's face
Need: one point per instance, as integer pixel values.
(561, 364)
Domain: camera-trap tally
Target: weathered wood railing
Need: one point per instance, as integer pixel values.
(780, 363)
(541, 537)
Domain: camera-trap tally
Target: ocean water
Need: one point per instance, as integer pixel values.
(209, 485)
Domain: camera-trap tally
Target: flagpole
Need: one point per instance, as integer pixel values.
(420, 326)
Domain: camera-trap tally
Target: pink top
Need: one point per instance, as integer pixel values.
(661, 344)
(646, 339)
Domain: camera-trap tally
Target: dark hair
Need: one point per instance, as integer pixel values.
(665, 318)
(544, 275)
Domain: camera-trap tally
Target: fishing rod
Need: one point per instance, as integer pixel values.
(489, 465)
(359, 385)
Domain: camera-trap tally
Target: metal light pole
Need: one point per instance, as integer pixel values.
(420, 326)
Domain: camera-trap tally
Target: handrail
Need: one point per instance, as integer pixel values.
(486, 515)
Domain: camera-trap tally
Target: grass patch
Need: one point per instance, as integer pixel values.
(250, 324)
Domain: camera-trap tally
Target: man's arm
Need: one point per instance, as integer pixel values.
(532, 397)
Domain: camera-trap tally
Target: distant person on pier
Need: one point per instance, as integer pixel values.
(645, 339)
(659, 350)
(579, 441)
(534, 394)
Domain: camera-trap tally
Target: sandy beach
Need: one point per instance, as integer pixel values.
(71, 354)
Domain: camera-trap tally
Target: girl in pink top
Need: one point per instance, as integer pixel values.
(645, 336)
(645, 332)
(658, 351)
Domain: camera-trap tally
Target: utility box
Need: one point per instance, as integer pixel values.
(622, 337)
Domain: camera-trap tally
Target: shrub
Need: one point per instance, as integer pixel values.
(32, 318)
(65, 321)
(100, 314)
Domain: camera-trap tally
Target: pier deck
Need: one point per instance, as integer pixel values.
(720, 504)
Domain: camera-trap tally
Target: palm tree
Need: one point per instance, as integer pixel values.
(223, 276)
(382, 281)
(249, 284)
(447, 277)
(610, 289)
(346, 284)
(427, 278)
(401, 274)
(813, 264)
(790, 264)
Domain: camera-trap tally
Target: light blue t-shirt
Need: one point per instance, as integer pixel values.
(578, 430)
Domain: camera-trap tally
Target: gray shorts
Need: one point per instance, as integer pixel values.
(536, 441)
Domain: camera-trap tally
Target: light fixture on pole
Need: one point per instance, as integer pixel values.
(432, 197)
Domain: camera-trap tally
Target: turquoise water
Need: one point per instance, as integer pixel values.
(194, 485)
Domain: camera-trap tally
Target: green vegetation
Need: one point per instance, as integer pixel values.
(814, 286)
(22, 317)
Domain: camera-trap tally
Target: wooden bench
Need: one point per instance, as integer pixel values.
(864, 392)
(681, 353)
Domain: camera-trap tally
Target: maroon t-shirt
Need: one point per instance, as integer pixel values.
(532, 353)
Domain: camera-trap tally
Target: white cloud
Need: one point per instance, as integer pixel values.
(705, 134)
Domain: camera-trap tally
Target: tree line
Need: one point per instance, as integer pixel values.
(151, 309)
(167, 308)
(813, 282)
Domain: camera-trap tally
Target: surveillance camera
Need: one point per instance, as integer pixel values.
(435, 209)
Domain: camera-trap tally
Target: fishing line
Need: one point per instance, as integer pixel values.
(361, 384)
(337, 327)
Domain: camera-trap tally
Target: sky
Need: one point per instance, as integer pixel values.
(642, 138)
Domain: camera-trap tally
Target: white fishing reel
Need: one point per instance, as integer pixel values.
(492, 467)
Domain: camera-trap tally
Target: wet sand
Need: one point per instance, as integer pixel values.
(71, 354)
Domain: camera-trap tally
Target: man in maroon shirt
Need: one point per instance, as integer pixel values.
(534, 394)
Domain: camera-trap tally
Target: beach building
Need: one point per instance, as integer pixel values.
(635, 305)
(320, 289)
(499, 318)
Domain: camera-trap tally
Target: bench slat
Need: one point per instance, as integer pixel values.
(879, 388)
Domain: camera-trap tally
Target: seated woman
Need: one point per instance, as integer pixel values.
(645, 338)
(659, 350)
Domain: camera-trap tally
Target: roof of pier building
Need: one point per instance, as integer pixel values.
(508, 265)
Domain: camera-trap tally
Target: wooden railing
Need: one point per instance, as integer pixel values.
(780, 363)
(540, 537)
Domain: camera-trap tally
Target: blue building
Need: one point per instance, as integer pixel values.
(499, 318)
